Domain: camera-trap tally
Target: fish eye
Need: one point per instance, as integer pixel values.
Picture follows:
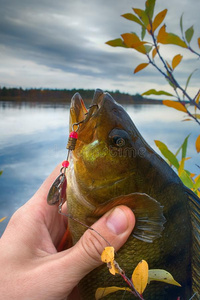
(119, 141)
(118, 137)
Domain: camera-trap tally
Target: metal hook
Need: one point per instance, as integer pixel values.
(93, 105)
(77, 124)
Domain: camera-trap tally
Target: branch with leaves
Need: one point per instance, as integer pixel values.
(140, 278)
(186, 176)
(154, 27)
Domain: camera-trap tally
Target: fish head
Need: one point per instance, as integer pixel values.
(107, 146)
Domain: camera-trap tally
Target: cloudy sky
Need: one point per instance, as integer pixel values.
(61, 44)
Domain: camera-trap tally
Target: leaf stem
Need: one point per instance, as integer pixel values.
(188, 46)
(129, 282)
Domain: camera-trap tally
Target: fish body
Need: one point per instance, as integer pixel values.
(112, 164)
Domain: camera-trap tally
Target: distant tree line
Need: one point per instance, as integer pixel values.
(64, 95)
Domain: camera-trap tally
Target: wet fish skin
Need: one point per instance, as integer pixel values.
(100, 170)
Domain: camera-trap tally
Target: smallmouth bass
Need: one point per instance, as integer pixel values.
(112, 164)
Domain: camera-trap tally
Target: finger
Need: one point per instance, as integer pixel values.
(115, 227)
(41, 212)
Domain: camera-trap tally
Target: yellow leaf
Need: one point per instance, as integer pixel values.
(192, 175)
(108, 255)
(181, 165)
(114, 268)
(198, 144)
(158, 19)
(197, 178)
(140, 276)
(176, 61)
(187, 119)
(161, 275)
(169, 38)
(175, 104)
(102, 292)
(197, 116)
(168, 65)
(1, 220)
(199, 42)
(132, 41)
(140, 67)
(154, 52)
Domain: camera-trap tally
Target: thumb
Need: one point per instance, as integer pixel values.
(114, 227)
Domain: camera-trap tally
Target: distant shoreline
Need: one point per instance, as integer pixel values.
(64, 96)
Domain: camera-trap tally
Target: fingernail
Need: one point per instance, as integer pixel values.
(117, 221)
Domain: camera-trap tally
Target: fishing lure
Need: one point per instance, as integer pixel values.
(57, 191)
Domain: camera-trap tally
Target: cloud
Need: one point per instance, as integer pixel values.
(62, 44)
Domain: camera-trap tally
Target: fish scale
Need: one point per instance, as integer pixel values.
(104, 173)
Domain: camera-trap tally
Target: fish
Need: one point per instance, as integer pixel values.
(112, 164)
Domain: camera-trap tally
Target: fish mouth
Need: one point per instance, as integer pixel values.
(78, 110)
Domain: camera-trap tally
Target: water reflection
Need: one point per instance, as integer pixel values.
(34, 136)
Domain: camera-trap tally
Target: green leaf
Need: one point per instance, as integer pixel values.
(188, 172)
(142, 15)
(169, 38)
(116, 43)
(148, 48)
(167, 154)
(186, 179)
(150, 4)
(161, 275)
(170, 82)
(182, 165)
(184, 146)
(188, 80)
(189, 34)
(181, 23)
(197, 182)
(1, 172)
(133, 18)
(143, 33)
(154, 92)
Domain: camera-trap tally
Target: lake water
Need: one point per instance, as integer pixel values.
(33, 138)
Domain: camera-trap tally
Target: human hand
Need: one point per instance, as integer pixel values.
(31, 267)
